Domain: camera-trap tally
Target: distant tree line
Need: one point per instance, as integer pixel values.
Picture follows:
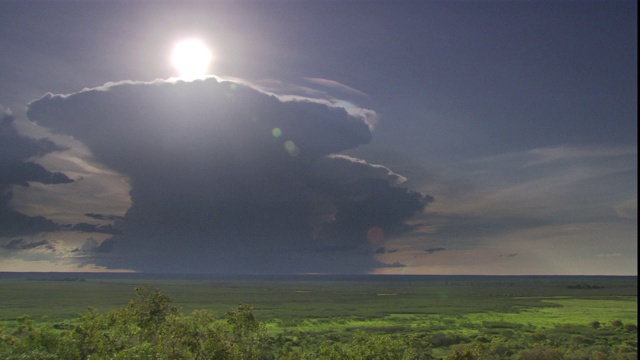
(585, 286)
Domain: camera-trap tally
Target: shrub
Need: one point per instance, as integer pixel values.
(440, 339)
(501, 325)
(463, 351)
(540, 353)
(617, 324)
(589, 353)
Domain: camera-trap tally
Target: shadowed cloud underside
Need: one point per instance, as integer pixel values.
(226, 178)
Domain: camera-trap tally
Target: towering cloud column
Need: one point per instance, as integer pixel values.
(227, 178)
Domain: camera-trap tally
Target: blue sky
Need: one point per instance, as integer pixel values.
(480, 137)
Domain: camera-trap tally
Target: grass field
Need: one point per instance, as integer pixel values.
(308, 303)
(502, 316)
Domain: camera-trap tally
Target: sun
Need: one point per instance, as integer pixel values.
(191, 58)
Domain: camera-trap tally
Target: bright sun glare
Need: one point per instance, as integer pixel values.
(191, 58)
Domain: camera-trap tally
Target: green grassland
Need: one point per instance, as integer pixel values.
(446, 311)
(296, 300)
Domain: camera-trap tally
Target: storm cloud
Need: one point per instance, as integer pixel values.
(16, 169)
(21, 244)
(227, 178)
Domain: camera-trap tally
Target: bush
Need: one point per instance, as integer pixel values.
(501, 325)
(617, 324)
(540, 353)
(463, 351)
(440, 339)
(36, 341)
(152, 327)
(589, 353)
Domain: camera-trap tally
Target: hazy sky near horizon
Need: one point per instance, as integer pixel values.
(385, 137)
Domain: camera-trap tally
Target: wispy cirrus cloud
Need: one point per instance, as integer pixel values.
(335, 85)
(559, 205)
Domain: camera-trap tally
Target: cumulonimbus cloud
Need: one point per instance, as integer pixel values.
(17, 170)
(226, 178)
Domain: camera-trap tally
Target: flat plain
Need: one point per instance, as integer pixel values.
(300, 300)
(505, 316)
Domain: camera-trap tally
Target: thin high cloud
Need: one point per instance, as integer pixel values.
(325, 93)
(332, 84)
(559, 206)
(561, 182)
(226, 178)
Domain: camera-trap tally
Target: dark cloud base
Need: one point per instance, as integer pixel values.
(16, 170)
(225, 178)
(21, 244)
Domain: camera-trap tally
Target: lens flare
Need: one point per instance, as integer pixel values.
(375, 235)
(291, 148)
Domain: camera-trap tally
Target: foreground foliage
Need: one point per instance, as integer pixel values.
(152, 327)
